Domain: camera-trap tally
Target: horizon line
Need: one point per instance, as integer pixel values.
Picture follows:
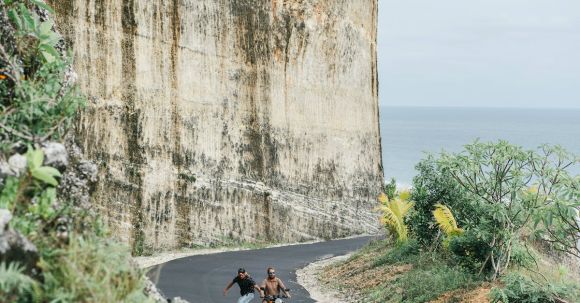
(478, 107)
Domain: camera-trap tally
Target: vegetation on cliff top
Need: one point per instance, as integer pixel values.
(66, 253)
(493, 223)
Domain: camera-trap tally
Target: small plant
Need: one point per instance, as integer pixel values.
(390, 189)
(31, 197)
(520, 289)
(46, 174)
(393, 217)
(15, 286)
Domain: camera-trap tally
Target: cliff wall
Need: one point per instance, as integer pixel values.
(214, 120)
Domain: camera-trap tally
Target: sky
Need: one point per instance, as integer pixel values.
(479, 53)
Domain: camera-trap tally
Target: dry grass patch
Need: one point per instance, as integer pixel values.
(477, 295)
(359, 273)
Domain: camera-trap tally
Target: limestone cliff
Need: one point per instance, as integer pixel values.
(243, 119)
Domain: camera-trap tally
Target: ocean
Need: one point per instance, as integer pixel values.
(408, 133)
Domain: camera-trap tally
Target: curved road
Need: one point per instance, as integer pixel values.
(201, 279)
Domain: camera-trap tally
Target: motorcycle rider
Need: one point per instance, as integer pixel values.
(272, 285)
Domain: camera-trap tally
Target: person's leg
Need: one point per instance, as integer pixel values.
(246, 298)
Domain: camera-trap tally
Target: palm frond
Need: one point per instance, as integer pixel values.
(394, 212)
(405, 195)
(446, 220)
(383, 199)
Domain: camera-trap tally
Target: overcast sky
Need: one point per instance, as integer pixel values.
(500, 53)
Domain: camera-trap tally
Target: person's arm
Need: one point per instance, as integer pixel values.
(263, 286)
(257, 287)
(228, 287)
(281, 284)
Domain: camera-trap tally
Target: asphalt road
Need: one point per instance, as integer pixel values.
(201, 279)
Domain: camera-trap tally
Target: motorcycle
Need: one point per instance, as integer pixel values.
(274, 299)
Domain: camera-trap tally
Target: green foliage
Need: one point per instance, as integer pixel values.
(393, 217)
(31, 202)
(8, 192)
(520, 289)
(390, 189)
(557, 221)
(524, 256)
(15, 286)
(35, 103)
(405, 253)
(446, 221)
(79, 262)
(91, 269)
(423, 284)
(433, 185)
(495, 178)
(471, 250)
(45, 174)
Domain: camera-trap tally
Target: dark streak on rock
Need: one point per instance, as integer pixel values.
(132, 126)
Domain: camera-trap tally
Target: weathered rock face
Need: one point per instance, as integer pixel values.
(216, 120)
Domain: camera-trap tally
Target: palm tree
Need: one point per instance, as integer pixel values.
(394, 212)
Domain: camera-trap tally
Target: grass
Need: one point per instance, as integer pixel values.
(382, 272)
(91, 269)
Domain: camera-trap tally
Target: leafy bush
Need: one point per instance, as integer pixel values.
(523, 256)
(471, 250)
(433, 185)
(487, 186)
(557, 221)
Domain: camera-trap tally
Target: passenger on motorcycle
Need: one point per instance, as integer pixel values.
(272, 286)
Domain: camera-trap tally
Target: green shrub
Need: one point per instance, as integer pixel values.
(15, 286)
(404, 253)
(91, 269)
(471, 250)
(523, 256)
(433, 185)
(520, 289)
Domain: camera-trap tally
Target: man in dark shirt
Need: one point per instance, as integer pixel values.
(247, 286)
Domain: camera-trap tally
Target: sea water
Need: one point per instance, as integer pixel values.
(408, 133)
